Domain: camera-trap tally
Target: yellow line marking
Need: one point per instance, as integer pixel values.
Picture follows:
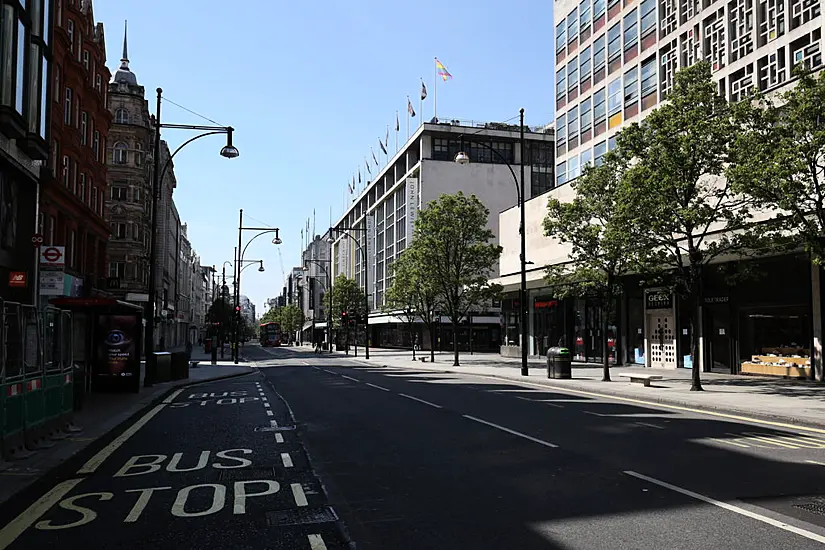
(15, 528)
(816, 462)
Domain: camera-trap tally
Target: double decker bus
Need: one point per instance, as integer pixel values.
(270, 334)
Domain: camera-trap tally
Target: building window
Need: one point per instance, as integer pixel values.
(561, 80)
(55, 156)
(561, 173)
(101, 203)
(560, 36)
(120, 230)
(599, 111)
(74, 176)
(117, 269)
(614, 97)
(137, 194)
(82, 188)
(614, 42)
(572, 26)
(573, 168)
(65, 170)
(598, 53)
(631, 30)
(52, 229)
(57, 86)
(648, 14)
(573, 74)
(599, 150)
(70, 30)
(96, 145)
(86, 59)
(611, 143)
(94, 199)
(561, 126)
(138, 153)
(122, 116)
(98, 83)
(67, 107)
(586, 158)
(135, 232)
(84, 128)
(73, 248)
(573, 124)
(631, 87)
(649, 77)
(584, 15)
(119, 193)
(586, 115)
(584, 64)
(598, 8)
(121, 153)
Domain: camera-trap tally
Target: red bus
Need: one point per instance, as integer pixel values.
(270, 334)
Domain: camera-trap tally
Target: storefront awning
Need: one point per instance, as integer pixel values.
(94, 303)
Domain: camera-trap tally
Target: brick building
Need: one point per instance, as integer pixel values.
(73, 189)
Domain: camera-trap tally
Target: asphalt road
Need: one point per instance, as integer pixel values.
(390, 458)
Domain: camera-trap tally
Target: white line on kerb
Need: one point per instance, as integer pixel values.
(287, 460)
(173, 396)
(279, 438)
(350, 378)
(420, 400)
(94, 463)
(269, 412)
(730, 507)
(273, 423)
(316, 542)
(15, 528)
(509, 431)
(298, 493)
(377, 387)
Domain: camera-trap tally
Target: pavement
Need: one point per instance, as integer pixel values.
(328, 451)
(102, 413)
(792, 401)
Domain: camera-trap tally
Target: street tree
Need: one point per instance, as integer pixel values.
(453, 248)
(779, 158)
(220, 313)
(689, 214)
(291, 318)
(271, 316)
(345, 296)
(598, 226)
(413, 296)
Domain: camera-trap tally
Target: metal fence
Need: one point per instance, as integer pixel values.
(36, 377)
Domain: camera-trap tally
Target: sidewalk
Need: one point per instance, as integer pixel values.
(103, 412)
(774, 399)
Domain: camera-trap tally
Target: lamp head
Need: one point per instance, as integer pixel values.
(230, 151)
(261, 268)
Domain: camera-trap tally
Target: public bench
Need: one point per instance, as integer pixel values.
(644, 379)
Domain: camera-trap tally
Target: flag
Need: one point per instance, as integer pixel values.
(387, 138)
(442, 70)
(423, 91)
(367, 164)
(375, 160)
(381, 144)
(359, 175)
(350, 185)
(397, 124)
(410, 108)
(351, 189)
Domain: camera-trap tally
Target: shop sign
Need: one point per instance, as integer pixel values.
(716, 299)
(658, 299)
(18, 279)
(545, 304)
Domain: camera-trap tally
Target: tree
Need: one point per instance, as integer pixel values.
(271, 316)
(689, 214)
(598, 227)
(291, 318)
(413, 295)
(221, 312)
(779, 157)
(452, 249)
(347, 296)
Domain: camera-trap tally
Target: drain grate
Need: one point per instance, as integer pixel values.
(301, 516)
(813, 507)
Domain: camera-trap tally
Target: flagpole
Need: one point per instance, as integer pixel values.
(408, 117)
(435, 89)
(421, 104)
(396, 131)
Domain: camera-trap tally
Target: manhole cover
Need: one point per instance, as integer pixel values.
(813, 507)
(302, 516)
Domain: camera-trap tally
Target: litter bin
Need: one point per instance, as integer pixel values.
(207, 345)
(559, 363)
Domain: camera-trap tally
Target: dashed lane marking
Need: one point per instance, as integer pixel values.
(279, 438)
(316, 542)
(329, 371)
(287, 460)
(267, 405)
(173, 396)
(421, 401)
(298, 493)
(377, 387)
(94, 463)
(732, 508)
(15, 527)
(649, 425)
(350, 378)
(269, 412)
(509, 431)
(273, 423)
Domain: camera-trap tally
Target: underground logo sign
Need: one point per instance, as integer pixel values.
(52, 254)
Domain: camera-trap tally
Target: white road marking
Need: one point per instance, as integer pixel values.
(94, 463)
(729, 442)
(552, 404)
(287, 460)
(27, 517)
(305, 363)
(509, 431)
(298, 493)
(732, 508)
(173, 396)
(279, 438)
(816, 462)
(273, 423)
(267, 405)
(316, 542)
(650, 425)
(350, 378)
(269, 412)
(595, 413)
(524, 398)
(420, 400)
(329, 371)
(377, 387)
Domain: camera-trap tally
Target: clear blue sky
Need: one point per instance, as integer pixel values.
(309, 88)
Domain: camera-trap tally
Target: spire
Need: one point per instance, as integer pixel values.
(124, 61)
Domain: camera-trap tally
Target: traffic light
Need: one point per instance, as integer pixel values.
(344, 318)
(237, 309)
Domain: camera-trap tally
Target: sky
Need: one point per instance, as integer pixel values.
(310, 87)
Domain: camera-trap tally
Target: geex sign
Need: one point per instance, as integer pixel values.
(658, 299)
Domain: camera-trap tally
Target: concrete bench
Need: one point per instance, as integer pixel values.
(194, 364)
(643, 378)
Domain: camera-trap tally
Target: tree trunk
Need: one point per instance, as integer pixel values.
(605, 350)
(455, 342)
(431, 333)
(412, 337)
(696, 303)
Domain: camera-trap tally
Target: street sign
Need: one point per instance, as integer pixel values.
(53, 257)
(37, 240)
(18, 279)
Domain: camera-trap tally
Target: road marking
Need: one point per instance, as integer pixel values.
(298, 493)
(420, 400)
(377, 387)
(316, 542)
(15, 527)
(730, 507)
(264, 398)
(729, 442)
(816, 462)
(595, 413)
(509, 431)
(267, 405)
(173, 396)
(350, 378)
(552, 404)
(279, 438)
(304, 362)
(287, 460)
(329, 371)
(524, 398)
(94, 463)
(273, 423)
(649, 425)
(269, 412)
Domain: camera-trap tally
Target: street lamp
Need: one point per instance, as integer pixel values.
(320, 263)
(463, 158)
(239, 257)
(228, 151)
(366, 286)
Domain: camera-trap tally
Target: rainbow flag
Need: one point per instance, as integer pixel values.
(442, 70)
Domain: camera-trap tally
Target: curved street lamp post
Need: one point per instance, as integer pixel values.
(227, 151)
(463, 158)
